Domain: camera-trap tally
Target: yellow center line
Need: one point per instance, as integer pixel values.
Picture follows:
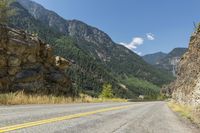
(45, 121)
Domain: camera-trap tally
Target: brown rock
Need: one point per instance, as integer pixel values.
(4, 83)
(61, 62)
(3, 72)
(28, 63)
(16, 47)
(3, 60)
(186, 88)
(28, 76)
(32, 58)
(14, 61)
(13, 70)
(58, 78)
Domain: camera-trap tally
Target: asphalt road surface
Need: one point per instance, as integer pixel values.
(143, 117)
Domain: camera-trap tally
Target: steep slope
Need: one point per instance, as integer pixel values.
(154, 58)
(87, 74)
(171, 57)
(186, 88)
(47, 17)
(97, 59)
(166, 62)
(99, 45)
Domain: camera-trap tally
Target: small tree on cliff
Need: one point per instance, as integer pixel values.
(5, 11)
(107, 91)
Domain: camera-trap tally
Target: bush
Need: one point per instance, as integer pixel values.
(107, 91)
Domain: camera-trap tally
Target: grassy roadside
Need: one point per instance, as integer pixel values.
(22, 98)
(189, 112)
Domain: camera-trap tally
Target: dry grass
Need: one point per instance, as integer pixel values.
(183, 110)
(22, 98)
(196, 113)
(192, 113)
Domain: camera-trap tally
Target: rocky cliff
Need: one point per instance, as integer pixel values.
(186, 89)
(27, 63)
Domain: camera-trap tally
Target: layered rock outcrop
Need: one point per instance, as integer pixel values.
(27, 63)
(186, 88)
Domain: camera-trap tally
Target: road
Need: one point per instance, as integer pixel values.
(143, 117)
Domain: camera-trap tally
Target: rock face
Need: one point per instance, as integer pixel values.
(186, 89)
(27, 63)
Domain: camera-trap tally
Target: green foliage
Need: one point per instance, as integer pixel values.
(88, 72)
(5, 11)
(141, 87)
(125, 62)
(106, 91)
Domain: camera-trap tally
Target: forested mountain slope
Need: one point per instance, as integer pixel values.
(96, 58)
(166, 61)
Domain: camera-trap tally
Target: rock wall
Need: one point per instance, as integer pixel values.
(186, 89)
(27, 63)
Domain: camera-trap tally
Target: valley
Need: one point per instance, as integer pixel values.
(96, 58)
(60, 72)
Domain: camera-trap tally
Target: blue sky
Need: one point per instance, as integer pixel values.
(168, 23)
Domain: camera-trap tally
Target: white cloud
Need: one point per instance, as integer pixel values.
(136, 41)
(150, 36)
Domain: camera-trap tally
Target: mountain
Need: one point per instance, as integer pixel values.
(168, 61)
(96, 58)
(154, 58)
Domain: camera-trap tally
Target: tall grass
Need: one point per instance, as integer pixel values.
(23, 98)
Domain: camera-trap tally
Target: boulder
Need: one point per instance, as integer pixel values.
(61, 62)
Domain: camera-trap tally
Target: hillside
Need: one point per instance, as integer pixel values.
(154, 58)
(96, 58)
(166, 61)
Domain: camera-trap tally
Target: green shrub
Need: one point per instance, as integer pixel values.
(107, 91)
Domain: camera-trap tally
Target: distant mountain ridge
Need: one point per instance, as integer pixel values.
(154, 58)
(166, 61)
(97, 58)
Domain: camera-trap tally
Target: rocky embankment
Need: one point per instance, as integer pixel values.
(27, 63)
(186, 88)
